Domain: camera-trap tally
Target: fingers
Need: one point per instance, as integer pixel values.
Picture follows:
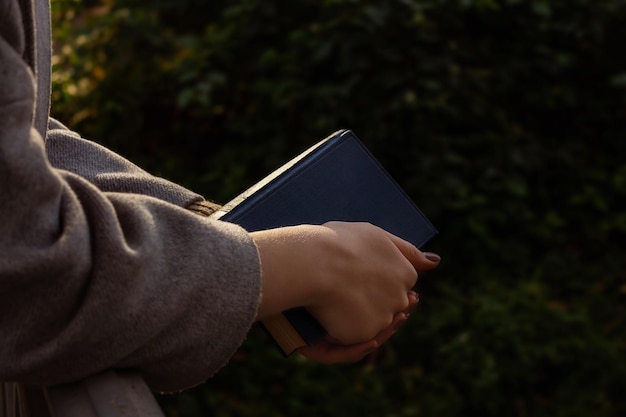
(398, 319)
(386, 334)
(376, 269)
(421, 261)
(327, 352)
(331, 351)
(413, 301)
(433, 260)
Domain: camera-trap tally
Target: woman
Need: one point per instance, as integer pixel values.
(105, 266)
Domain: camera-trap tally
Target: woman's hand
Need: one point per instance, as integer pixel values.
(330, 351)
(352, 277)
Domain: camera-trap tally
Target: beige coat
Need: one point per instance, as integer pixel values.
(100, 264)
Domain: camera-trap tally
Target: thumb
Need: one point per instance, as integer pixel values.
(428, 260)
(421, 261)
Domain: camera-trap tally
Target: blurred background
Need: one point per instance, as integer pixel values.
(504, 120)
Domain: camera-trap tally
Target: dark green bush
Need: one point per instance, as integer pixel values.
(505, 120)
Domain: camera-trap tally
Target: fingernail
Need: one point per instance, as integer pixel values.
(433, 257)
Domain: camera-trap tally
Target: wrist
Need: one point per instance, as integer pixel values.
(292, 263)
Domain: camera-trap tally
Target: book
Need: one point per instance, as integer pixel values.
(336, 179)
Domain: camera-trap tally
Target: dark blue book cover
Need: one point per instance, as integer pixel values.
(336, 179)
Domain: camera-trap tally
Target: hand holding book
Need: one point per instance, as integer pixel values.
(329, 351)
(352, 277)
(337, 179)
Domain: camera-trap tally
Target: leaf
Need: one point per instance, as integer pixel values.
(619, 80)
(542, 9)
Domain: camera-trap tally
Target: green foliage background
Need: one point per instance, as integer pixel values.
(505, 120)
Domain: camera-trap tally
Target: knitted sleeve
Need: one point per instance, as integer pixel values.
(94, 278)
(107, 170)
